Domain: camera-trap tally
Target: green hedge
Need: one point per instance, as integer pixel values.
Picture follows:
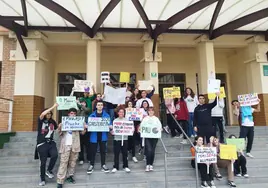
(4, 138)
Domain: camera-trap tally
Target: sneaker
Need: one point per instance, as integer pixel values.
(70, 179)
(105, 169)
(231, 183)
(114, 170)
(147, 169)
(245, 175)
(238, 175)
(218, 176)
(49, 174)
(81, 162)
(192, 136)
(184, 141)
(249, 155)
(211, 184)
(204, 184)
(42, 183)
(127, 170)
(181, 136)
(135, 159)
(90, 169)
(151, 168)
(59, 185)
(177, 136)
(166, 129)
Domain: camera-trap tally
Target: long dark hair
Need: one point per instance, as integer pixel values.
(176, 100)
(45, 118)
(145, 101)
(192, 93)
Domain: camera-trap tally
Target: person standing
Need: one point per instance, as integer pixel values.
(46, 147)
(89, 98)
(202, 118)
(118, 145)
(247, 125)
(144, 98)
(69, 150)
(98, 138)
(217, 118)
(169, 103)
(191, 101)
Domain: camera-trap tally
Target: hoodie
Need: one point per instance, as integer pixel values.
(217, 111)
(181, 110)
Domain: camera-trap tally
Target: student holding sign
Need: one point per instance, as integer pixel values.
(69, 148)
(98, 138)
(90, 98)
(121, 142)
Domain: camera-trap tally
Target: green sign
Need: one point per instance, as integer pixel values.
(238, 142)
(265, 70)
(153, 74)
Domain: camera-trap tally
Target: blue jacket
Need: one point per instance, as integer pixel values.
(94, 135)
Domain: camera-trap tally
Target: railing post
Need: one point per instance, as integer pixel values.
(196, 171)
(10, 116)
(166, 177)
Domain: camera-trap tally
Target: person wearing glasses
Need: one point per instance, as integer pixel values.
(202, 118)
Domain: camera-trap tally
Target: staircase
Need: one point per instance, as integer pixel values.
(19, 169)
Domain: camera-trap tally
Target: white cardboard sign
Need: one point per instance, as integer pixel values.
(114, 96)
(145, 85)
(214, 86)
(83, 86)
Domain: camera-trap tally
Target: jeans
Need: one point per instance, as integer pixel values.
(172, 125)
(240, 165)
(44, 151)
(203, 170)
(184, 124)
(93, 149)
(111, 113)
(191, 124)
(84, 144)
(150, 145)
(217, 122)
(117, 148)
(247, 132)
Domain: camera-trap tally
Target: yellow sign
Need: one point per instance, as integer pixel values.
(213, 95)
(124, 77)
(228, 152)
(172, 92)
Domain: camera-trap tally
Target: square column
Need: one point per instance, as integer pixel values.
(206, 65)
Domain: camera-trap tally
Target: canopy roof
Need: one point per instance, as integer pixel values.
(212, 17)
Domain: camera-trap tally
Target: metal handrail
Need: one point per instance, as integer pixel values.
(191, 143)
(165, 162)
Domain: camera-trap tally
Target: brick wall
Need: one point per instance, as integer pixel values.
(26, 111)
(7, 82)
(261, 118)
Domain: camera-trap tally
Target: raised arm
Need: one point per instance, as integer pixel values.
(258, 109)
(214, 103)
(42, 115)
(149, 95)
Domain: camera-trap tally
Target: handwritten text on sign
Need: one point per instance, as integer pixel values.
(98, 124)
(172, 92)
(73, 123)
(123, 128)
(206, 154)
(134, 114)
(66, 102)
(150, 128)
(248, 99)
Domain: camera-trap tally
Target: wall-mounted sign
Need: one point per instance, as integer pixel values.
(153, 74)
(265, 70)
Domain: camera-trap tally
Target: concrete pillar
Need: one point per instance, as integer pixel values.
(206, 64)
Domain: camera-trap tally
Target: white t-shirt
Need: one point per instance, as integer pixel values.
(128, 94)
(139, 102)
(69, 138)
(191, 102)
(247, 122)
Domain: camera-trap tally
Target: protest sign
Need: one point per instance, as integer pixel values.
(228, 152)
(206, 154)
(172, 92)
(248, 99)
(123, 128)
(114, 96)
(98, 124)
(75, 123)
(83, 86)
(214, 86)
(134, 114)
(124, 77)
(66, 102)
(150, 127)
(105, 77)
(222, 94)
(240, 143)
(145, 85)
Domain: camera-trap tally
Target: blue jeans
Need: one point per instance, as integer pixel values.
(111, 113)
(191, 126)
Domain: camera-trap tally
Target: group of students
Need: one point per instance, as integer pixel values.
(73, 144)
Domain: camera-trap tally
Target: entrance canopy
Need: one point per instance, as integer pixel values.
(211, 17)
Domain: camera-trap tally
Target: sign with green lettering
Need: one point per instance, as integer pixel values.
(265, 70)
(153, 74)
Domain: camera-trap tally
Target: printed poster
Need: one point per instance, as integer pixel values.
(123, 128)
(172, 92)
(75, 123)
(240, 143)
(83, 86)
(66, 102)
(134, 114)
(150, 128)
(248, 99)
(98, 124)
(124, 77)
(206, 154)
(228, 152)
(145, 85)
(114, 96)
(222, 94)
(214, 86)
(105, 77)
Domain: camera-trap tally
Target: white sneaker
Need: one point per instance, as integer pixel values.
(192, 136)
(238, 175)
(184, 141)
(147, 169)
(135, 159)
(127, 170)
(151, 168)
(212, 184)
(49, 174)
(42, 183)
(81, 162)
(249, 155)
(166, 129)
(246, 176)
(181, 136)
(114, 170)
